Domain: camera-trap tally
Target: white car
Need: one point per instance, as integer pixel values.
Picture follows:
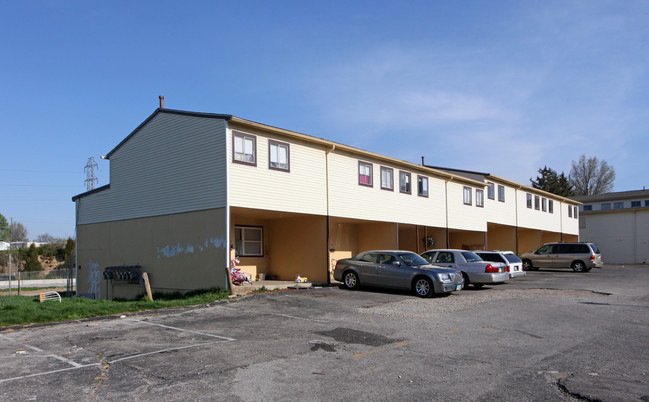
(475, 270)
(508, 257)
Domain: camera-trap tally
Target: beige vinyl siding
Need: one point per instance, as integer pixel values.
(300, 190)
(174, 163)
(348, 199)
(465, 217)
(503, 213)
(558, 221)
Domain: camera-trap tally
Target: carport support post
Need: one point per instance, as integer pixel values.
(328, 253)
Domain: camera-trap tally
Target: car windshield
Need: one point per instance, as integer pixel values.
(512, 258)
(412, 259)
(470, 257)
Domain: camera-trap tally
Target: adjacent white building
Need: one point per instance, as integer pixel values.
(618, 223)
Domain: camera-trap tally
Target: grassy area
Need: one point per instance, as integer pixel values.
(21, 310)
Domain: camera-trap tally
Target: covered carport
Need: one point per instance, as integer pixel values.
(279, 245)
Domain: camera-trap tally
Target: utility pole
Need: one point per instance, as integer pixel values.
(90, 168)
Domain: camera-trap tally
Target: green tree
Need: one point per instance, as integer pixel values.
(4, 229)
(31, 259)
(70, 246)
(590, 176)
(549, 180)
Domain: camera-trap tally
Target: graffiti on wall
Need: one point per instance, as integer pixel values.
(173, 250)
(94, 279)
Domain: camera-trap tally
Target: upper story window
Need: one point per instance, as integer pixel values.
(479, 198)
(569, 211)
(278, 157)
(606, 206)
(576, 213)
(422, 186)
(551, 206)
(588, 207)
(529, 200)
(404, 183)
(501, 193)
(646, 203)
(537, 202)
(544, 202)
(468, 193)
(618, 205)
(636, 204)
(249, 241)
(387, 178)
(244, 148)
(365, 174)
(490, 190)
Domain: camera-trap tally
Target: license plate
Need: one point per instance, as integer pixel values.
(515, 268)
(458, 287)
(500, 270)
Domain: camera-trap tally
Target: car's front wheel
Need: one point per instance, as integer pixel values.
(351, 280)
(424, 287)
(579, 266)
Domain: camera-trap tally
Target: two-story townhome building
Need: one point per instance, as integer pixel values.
(188, 191)
(618, 223)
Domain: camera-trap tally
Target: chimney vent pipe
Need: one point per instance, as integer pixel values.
(422, 161)
(162, 101)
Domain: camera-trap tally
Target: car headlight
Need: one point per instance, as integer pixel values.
(444, 277)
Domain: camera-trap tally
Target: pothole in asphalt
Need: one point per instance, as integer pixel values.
(347, 335)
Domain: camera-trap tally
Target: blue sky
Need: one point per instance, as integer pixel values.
(504, 87)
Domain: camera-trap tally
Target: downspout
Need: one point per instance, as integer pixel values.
(328, 251)
(561, 222)
(448, 240)
(516, 212)
(228, 229)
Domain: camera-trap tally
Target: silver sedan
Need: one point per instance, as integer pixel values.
(476, 271)
(397, 270)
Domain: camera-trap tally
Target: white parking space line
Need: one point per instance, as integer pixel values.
(162, 351)
(225, 338)
(22, 377)
(61, 358)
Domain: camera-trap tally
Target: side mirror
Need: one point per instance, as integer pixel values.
(397, 263)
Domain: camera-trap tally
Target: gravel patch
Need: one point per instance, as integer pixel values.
(422, 308)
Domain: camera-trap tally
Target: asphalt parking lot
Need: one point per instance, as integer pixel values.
(553, 335)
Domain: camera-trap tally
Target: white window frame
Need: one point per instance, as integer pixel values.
(240, 245)
(479, 198)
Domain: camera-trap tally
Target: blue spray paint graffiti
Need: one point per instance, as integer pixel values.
(94, 279)
(173, 250)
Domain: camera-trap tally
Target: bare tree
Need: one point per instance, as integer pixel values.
(591, 176)
(45, 238)
(18, 232)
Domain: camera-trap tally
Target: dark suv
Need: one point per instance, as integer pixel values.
(579, 256)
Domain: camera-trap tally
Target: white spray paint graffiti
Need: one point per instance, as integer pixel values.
(94, 279)
(173, 250)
